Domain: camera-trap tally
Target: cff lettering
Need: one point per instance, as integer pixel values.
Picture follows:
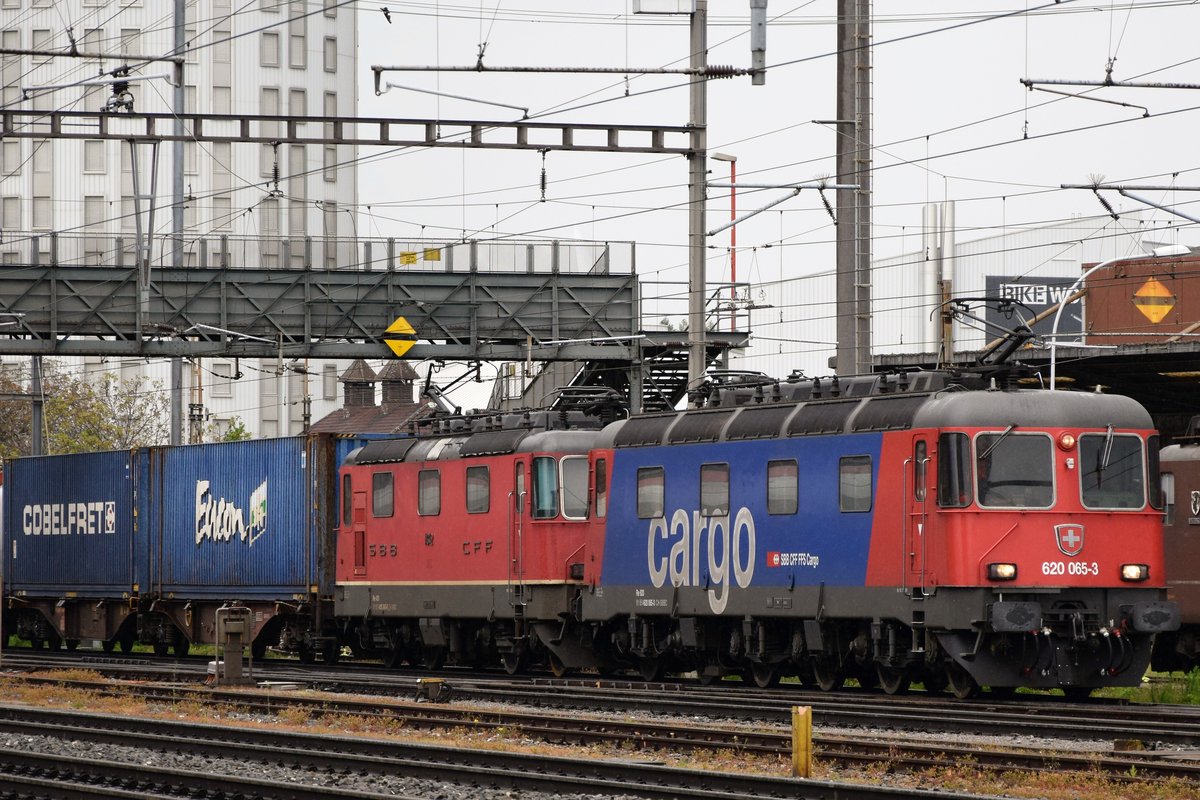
(69, 519)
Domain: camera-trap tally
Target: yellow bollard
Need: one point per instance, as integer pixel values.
(801, 741)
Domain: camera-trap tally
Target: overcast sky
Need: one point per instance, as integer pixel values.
(951, 121)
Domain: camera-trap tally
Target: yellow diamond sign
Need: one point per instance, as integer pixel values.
(1154, 300)
(400, 336)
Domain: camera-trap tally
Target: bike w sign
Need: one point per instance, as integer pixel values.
(1035, 294)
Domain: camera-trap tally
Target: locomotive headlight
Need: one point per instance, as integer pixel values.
(1002, 572)
(1135, 572)
(1066, 441)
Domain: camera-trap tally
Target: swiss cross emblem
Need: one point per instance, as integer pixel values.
(1069, 538)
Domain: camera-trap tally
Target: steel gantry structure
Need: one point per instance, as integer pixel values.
(58, 306)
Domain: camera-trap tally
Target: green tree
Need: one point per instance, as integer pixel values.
(81, 415)
(236, 432)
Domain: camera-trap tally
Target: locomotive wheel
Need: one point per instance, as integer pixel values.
(557, 668)
(513, 662)
(1077, 694)
(765, 675)
(891, 679)
(306, 654)
(394, 657)
(1002, 692)
(651, 669)
(826, 674)
(934, 681)
(433, 657)
(961, 684)
(36, 644)
(162, 649)
(331, 652)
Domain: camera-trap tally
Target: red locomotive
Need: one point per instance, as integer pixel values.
(931, 527)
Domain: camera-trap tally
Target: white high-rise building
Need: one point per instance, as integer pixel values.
(263, 57)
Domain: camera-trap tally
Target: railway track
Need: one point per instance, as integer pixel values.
(846, 751)
(325, 758)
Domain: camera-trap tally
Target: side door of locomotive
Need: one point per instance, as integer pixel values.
(918, 497)
(518, 515)
(358, 531)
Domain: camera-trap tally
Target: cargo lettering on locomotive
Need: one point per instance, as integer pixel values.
(221, 520)
(67, 519)
(726, 552)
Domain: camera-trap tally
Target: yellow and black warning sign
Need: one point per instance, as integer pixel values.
(400, 336)
(1154, 300)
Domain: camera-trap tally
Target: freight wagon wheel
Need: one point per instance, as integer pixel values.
(162, 649)
(126, 642)
(892, 680)
(764, 675)
(182, 645)
(72, 644)
(331, 652)
(961, 684)
(1077, 694)
(109, 645)
(826, 673)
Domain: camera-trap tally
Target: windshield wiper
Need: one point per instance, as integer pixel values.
(1108, 445)
(996, 443)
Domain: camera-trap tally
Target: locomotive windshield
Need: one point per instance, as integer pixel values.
(1111, 470)
(1014, 470)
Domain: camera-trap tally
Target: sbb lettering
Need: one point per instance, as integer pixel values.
(694, 550)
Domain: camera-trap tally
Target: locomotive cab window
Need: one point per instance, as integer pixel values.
(574, 487)
(1168, 496)
(479, 490)
(714, 489)
(782, 487)
(1014, 470)
(347, 502)
(954, 470)
(429, 492)
(1154, 467)
(601, 488)
(545, 488)
(650, 497)
(920, 461)
(1111, 470)
(854, 483)
(381, 494)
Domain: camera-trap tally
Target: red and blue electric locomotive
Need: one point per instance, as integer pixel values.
(931, 527)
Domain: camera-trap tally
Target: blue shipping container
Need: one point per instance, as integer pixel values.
(232, 520)
(69, 525)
